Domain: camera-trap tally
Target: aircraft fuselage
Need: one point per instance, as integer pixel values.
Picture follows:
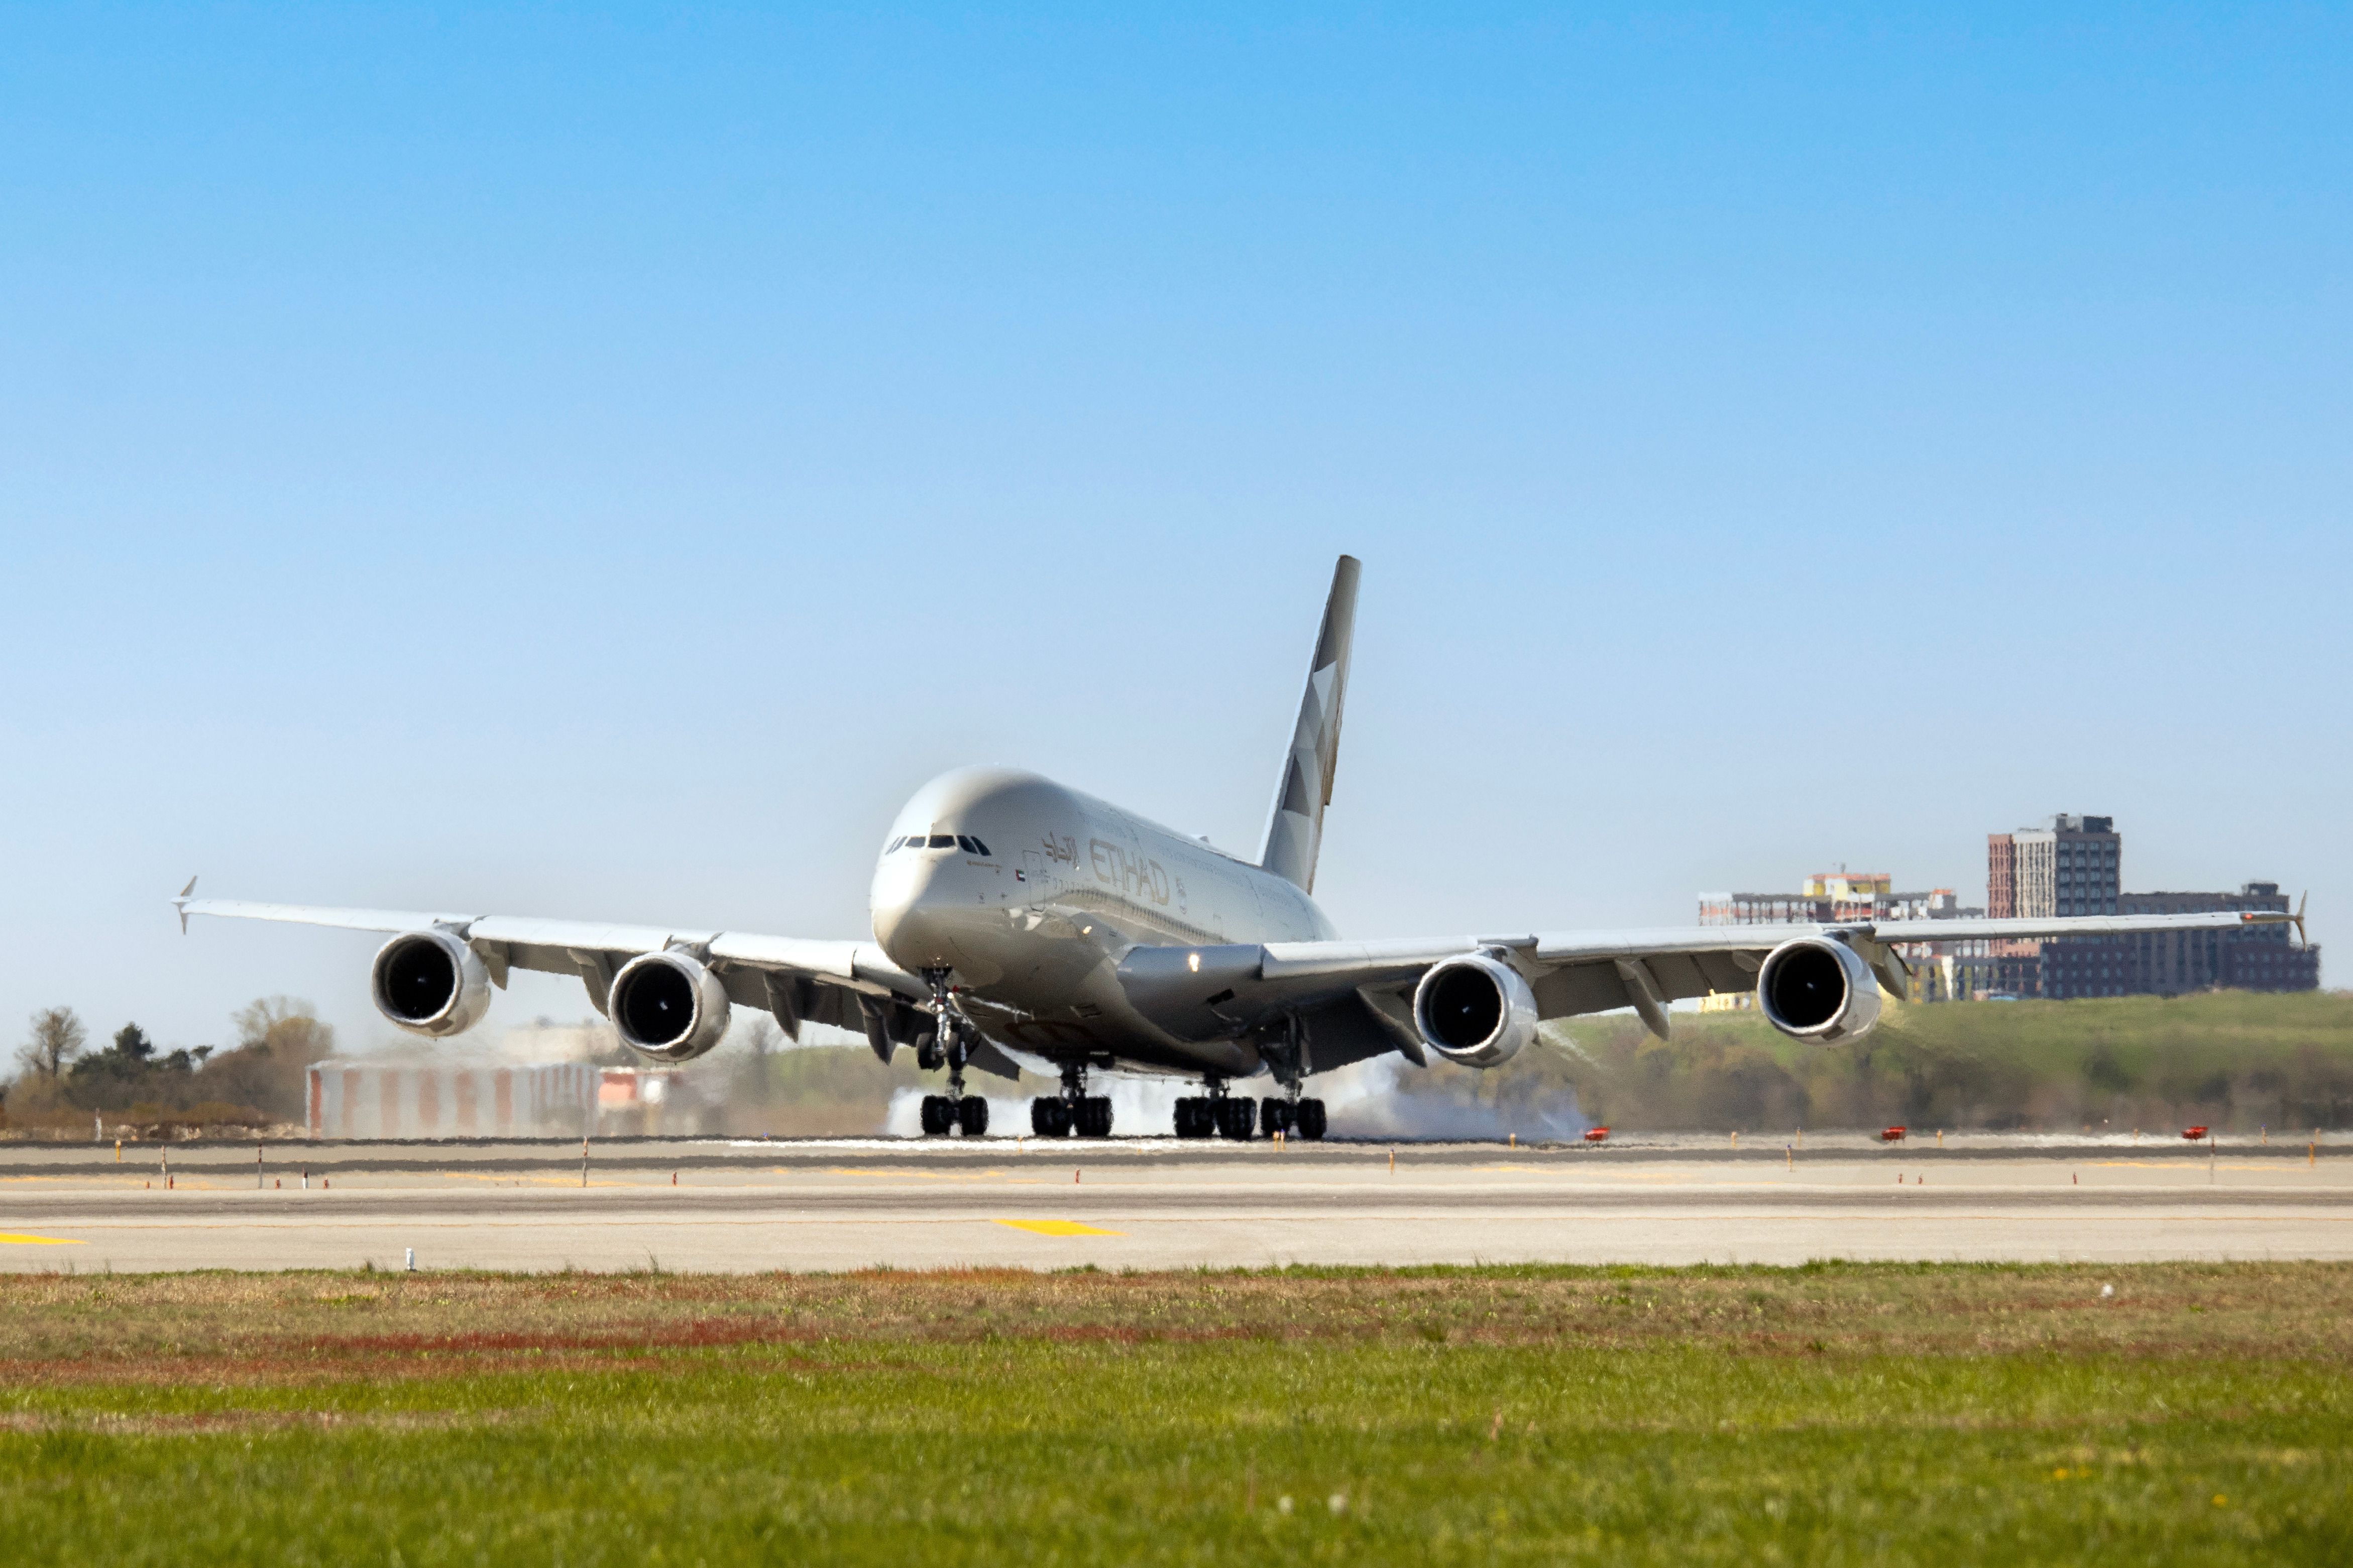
(1030, 892)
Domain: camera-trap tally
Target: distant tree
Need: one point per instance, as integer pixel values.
(287, 1027)
(57, 1038)
(129, 1072)
(278, 1039)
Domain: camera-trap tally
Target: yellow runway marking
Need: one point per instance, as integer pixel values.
(1057, 1227)
(7, 1240)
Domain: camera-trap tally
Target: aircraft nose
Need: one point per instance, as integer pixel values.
(905, 913)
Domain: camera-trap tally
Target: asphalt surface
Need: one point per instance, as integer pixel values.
(1157, 1203)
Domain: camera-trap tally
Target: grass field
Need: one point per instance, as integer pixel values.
(1832, 1413)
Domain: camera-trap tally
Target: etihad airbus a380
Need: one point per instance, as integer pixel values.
(1011, 912)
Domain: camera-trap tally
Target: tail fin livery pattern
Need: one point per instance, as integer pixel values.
(1294, 829)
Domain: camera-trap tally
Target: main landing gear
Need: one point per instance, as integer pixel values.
(1218, 1114)
(1074, 1111)
(1291, 1118)
(943, 1114)
(949, 1047)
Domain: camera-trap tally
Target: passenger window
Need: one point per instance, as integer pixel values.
(943, 840)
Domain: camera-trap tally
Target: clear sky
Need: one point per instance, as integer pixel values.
(598, 462)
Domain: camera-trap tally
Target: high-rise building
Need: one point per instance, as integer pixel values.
(2072, 866)
(2069, 866)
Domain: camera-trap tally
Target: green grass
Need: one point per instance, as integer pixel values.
(2233, 1061)
(1832, 1413)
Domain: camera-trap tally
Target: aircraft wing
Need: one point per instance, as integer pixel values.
(848, 984)
(1348, 985)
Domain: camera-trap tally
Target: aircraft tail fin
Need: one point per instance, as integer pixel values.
(1294, 828)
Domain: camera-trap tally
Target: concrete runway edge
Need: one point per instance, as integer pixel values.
(1151, 1204)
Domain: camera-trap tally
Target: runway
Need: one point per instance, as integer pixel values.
(1155, 1204)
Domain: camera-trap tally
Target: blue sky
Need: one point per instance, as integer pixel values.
(599, 461)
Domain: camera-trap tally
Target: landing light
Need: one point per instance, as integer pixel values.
(1193, 961)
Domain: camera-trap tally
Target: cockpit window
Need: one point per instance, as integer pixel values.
(943, 840)
(982, 850)
(967, 844)
(893, 845)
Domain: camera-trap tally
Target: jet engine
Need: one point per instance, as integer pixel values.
(430, 983)
(1474, 1010)
(668, 1006)
(1817, 990)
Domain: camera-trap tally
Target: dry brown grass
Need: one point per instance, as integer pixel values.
(246, 1328)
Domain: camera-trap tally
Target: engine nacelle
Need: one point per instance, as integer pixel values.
(668, 1007)
(1474, 1010)
(430, 983)
(1818, 990)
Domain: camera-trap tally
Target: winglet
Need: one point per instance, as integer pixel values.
(2301, 940)
(181, 904)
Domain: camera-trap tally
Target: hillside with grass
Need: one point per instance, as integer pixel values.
(2232, 1059)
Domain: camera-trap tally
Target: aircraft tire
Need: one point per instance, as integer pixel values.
(1238, 1117)
(936, 1111)
(1311, 1119)
(972, 1115)
(1050, 1118)
(1273, 1116)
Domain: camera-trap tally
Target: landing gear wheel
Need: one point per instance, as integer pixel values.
(1237, 1118)
(1311, 1118)
(972, 1115)
(1194, 1119)
(1274, 1116)
(1049, 1119)
(938, 1114)
(1094, 1116)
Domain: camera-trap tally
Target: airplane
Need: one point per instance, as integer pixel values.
(1014, 914)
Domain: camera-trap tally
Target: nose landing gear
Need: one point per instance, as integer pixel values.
(949, 1047)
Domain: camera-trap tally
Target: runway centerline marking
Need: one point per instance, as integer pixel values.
(1057, 1227)
(7, 1240)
